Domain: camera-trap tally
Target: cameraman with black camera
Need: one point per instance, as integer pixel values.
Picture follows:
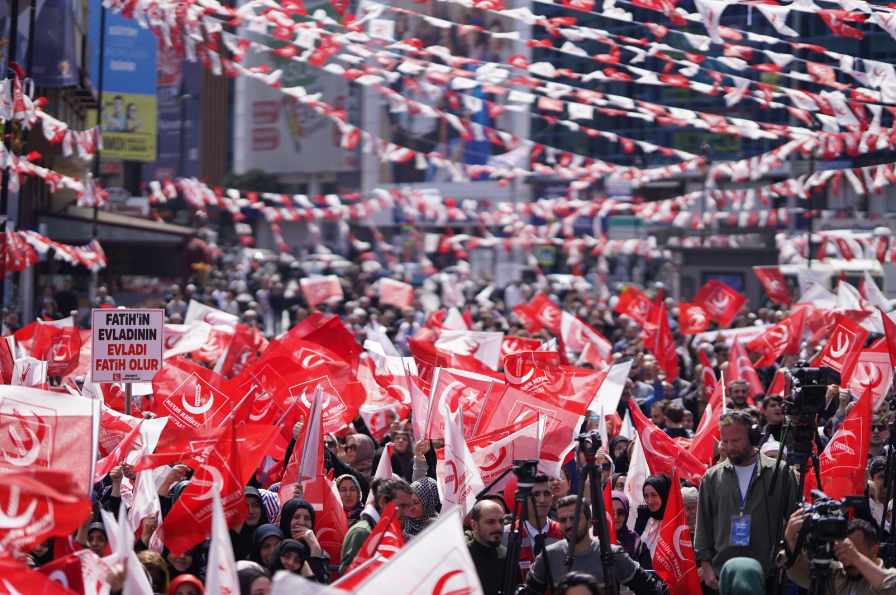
(857, 569)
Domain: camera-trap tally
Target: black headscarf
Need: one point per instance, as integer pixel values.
(287, 545)
(195, 567)
(246, 577)
(289, 510)
(242, 541)
(262, 533)
(662, 484)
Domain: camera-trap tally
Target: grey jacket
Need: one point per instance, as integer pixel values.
(719, 503)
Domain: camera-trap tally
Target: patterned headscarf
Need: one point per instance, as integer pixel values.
(427, 490)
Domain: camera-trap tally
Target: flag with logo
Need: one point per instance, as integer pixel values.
(673, 558)
(784, 337)
(775, 285)
(740, 367)
(184, 338)
(43, 430)
(841, 353)
(720, 301)
(58, 343)
(30, 372)
(709, 375)
(873, 372)
(514, 344)
(692, 319)
(546, 312)
(191, 395)
(384, 541)
(330, 525)
(318, 289)
(633, 303)
(457, 472)
(458, 390)
(38, 504)
(438, 561)
(663, 454)
(222, 324)
(844, 459)
(484, 346)
(230, 461)
(395, 293)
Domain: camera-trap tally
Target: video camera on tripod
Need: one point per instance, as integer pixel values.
(805, 392)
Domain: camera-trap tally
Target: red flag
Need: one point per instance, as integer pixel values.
(395, 293)
(66, 571)
(40, 430)
(230, 463)
(319, 289)
(385, 540)
(307, 461)
(709, 375)
(547, 313)
(662, 344)
(242, 350)
(528, 316)
(708, 430)
(58, 343)
(428, 357)
(673, 558)
(25, 336)
(343, 395)
(843, 348)
(741, 368)
(19, 579)
(38, 504)
(458, 389)
(663, 454)
(330, 525)
(692, 319)
(890, 332)
(512, 345)
(720, 301)
(845, 458)
(106, 464)
(7, 357)
(329, 334)
(191, 395)
(775, 285)
(836, 20)
(578, 337)
(610, 513)
(219, 339)
(632, 302)
(495, 452)
(190, 446)
(784, 337)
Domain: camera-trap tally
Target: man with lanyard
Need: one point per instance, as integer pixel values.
(736, 514)
(535, 540)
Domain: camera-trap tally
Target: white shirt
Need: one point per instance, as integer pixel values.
(743, 478)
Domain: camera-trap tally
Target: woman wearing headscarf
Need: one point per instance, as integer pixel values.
(656, 494)
(186, 584)
(359, 451)
(625, 537)
(297, 523)
(186, 563)
(242, 536)
(266, 539)
(350, 494)
(293, 556)
(618, 451)
(425, 504)
(741, 576)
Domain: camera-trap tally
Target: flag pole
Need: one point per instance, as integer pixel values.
(238, 405)
(291, 407)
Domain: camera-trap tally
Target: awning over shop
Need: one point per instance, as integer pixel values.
(75, 226)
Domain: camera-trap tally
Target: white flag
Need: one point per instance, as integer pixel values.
(184, 338)
(711, 11)
(28, 371)
(611, 388)
(437, 561)
(638, 472)
(221, 578)
(873, 293)
(459, 477)
(484, 346)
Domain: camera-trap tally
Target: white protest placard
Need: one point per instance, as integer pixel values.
(127, 345)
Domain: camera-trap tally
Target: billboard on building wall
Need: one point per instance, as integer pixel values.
(276, 133)
(128, 117)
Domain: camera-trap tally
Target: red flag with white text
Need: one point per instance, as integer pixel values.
(708, 430)
(692, 319)
(844, 459)
(775, 285)
(784, 337)
(191, 395)
(673, 558)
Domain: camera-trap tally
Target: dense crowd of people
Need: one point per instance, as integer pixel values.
(732, 514)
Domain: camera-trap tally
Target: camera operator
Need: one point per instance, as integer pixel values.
(858, 571)
(736, 514)
(586, 557)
